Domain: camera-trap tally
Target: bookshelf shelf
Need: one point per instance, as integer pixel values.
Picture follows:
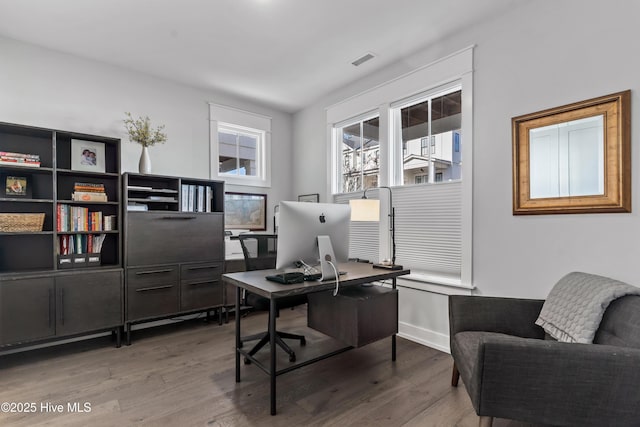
(14, 200)
(43, 300)
(86, 173)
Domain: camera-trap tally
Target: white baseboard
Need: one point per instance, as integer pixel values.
(423, 336)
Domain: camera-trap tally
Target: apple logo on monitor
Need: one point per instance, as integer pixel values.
(322, 219)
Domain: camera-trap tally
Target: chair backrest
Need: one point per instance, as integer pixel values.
(620, 324)
(259, 250)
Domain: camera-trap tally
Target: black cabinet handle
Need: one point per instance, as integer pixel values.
(205, 267)
(50, 307)
(154, 288)
(140, 273)
(202, 282)
(62, 305)
(178, 218)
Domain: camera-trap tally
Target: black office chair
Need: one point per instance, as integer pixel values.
(260, 254)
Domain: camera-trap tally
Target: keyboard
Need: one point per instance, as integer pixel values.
(312, 276)
(287, 278)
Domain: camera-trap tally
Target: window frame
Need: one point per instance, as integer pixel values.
(221, 117)
(244, 131)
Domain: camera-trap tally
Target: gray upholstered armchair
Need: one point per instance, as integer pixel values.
(511, 371)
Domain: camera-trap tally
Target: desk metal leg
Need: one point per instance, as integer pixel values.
(272, 345)
(393, 337)
(237, 334)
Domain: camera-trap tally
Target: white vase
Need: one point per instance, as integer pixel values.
(144, 166)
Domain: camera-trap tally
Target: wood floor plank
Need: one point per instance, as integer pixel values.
(183, 374)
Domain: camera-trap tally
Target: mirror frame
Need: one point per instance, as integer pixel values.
(617, 157)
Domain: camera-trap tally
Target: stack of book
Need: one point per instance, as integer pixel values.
(88, 192)
(19, 159)
(76, 218)
(196, 198)
(81, 244)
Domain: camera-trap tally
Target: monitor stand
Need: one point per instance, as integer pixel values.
(325, 250)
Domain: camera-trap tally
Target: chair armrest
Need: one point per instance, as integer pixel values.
(558, 383)
(510, 316)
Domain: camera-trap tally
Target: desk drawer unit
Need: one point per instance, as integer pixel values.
(152, 291)
(357, 316)
(201, 285)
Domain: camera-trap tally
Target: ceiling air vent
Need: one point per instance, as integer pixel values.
(363, 59)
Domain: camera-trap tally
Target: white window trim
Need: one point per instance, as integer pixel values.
(222, 115)
(455, 67)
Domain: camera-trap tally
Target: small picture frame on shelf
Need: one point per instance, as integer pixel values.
(16, 186)
(311, 198)
(87, 156)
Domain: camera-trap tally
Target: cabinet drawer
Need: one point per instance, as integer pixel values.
(141, 277)
(173, 237)
(200, 271)
(152, 292)
(201, 293)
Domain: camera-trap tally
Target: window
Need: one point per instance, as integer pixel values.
(430, 130)
(418, 141)
(360, 154)
(239, 150)
(240, 146)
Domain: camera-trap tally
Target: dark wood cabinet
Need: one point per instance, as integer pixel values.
(174, 246)
(88, 302)
(64, 277)
(27, 309)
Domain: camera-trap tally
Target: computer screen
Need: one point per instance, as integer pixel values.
(300, 224)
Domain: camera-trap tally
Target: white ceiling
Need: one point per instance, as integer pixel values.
(284, 53)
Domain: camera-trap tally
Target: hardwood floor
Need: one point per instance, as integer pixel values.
(183, 375)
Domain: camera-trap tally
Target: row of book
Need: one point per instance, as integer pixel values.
(77, 218)
(89, 192)
(80, 244)
(19, 159)
(196, 198)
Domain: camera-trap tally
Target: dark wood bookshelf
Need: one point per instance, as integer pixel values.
(42, 300)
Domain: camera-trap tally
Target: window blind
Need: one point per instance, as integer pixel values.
(364, 237)
(429, 228)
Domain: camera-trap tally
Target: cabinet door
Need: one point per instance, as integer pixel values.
(172, 237)
(27, 310)
(201, 286)
(88, 301)
(152, 291)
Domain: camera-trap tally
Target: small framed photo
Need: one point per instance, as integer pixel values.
(245, 211)
(15, 185)
(312, 198)
(87, 156)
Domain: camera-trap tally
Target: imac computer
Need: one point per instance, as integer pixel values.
(314, 233)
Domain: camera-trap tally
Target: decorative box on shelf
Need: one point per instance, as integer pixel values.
(79, 260)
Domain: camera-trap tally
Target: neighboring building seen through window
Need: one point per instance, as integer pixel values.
(238, 150)
(360, 155)
(431, 138)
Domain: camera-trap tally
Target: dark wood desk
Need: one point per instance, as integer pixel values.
(254, 281)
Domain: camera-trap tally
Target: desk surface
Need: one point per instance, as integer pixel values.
(357, 273)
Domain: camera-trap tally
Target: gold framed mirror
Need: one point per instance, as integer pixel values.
(574, 159)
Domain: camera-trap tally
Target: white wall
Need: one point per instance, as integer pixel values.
(542, 55)
(41, 87)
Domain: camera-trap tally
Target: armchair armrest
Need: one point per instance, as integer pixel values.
(559, 383)
(510, 316)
